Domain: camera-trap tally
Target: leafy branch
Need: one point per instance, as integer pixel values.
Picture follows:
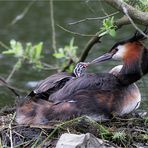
(108, 27)
(30, 53)
(68, 53)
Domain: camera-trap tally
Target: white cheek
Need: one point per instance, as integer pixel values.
(120, 53)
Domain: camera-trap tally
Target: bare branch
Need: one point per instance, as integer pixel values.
(22, 15)
(90, 44)
(4, 45)
(11, 88)
(95, 18)
(52, 25)
(75, 33)
(68, 65)
(132, 22)
(138, 16)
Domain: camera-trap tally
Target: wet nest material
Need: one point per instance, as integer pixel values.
(129, 131)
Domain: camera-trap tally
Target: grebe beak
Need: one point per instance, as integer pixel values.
(104, 57)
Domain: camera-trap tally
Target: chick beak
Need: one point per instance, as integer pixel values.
(104, 57)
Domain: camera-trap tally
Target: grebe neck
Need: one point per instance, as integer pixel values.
(134, 68)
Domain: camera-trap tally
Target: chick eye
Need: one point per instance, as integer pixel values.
(116, 49)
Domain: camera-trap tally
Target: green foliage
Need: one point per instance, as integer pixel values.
(30, 53)
(69, 52)
(108, 27)
(104, 132)
(145, 136)
(119, 136)
(146, 121)
(139, 4)
(33, 54)
(16, 49)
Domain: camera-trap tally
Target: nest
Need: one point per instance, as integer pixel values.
(129, 131)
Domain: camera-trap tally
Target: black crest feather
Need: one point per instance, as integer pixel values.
(138, 36)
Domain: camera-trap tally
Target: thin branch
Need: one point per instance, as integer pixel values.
(52, 25)
(11, 88)
(12, 71)
(132, 22)
(4, 45)
(49, 67)
(22, 15)
(90, 44)
(68, 65)
(89, 7)
(138, 16)
(75, 33)
(90, 19)
(102, 7)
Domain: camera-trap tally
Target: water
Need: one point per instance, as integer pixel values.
(36, 27)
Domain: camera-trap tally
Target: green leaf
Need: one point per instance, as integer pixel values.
(32, 54)
(27, 50)
(108, 27)
(71, 43)
(112, 32)
(38, 50)
(58, 55)
(16, 49)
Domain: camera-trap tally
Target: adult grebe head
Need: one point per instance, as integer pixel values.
(128, 50)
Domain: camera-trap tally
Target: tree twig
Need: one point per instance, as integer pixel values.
(138, 16)
(21, 16)
(13, 70)
(90, 19)
(68, 65)
(132, 22)
(90, 44)
(11, 88)
(52, 25)
(75, 33)
(4, 46)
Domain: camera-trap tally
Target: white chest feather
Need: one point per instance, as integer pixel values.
(132, 99)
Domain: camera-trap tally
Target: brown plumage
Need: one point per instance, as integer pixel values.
(63, 96)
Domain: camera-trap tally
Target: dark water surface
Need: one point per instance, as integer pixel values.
(36, 27)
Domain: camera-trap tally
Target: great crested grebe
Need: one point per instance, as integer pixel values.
(62, 96)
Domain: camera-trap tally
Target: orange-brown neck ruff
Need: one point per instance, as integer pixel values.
(133, 53)
(134, 59)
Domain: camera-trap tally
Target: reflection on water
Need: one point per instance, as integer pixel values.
(36, 27)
